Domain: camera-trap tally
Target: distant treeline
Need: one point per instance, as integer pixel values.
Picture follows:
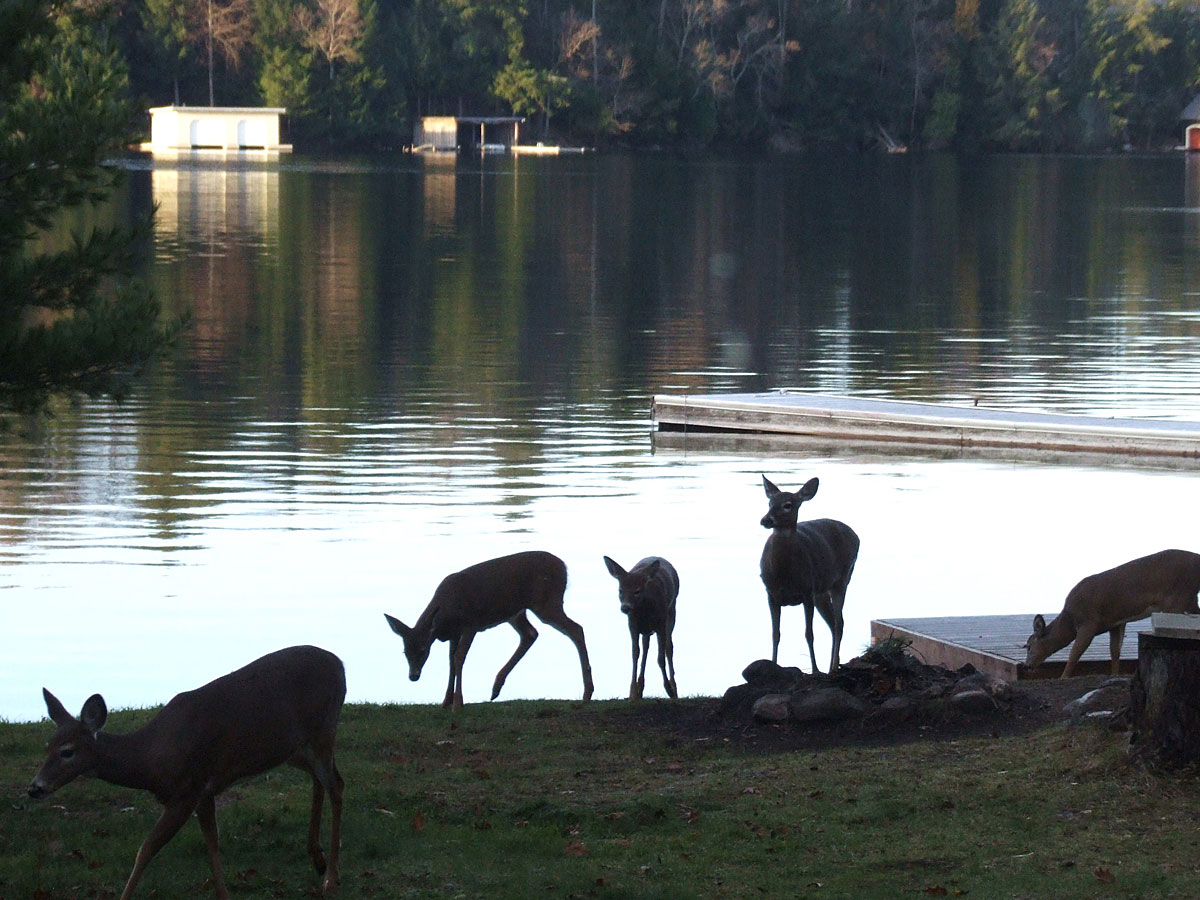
(860, 74)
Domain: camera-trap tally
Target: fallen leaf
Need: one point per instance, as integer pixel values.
(418, 821)
(935, 890)
(575, 848)
(384, 810)
(613, 816)
(1105, 875)
(749, 790)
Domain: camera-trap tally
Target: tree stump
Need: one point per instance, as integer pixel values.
(1164, 702)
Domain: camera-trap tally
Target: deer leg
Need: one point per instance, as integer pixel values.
(206, 814)
(666, 653)
(528, 635)
(776, 609)
(556, 618)
(448, 701)
(633, 679)
(314, 826)
(641, 680)
(829, 605)
(336, 787)
(455, 696)
(167, 826)
(1116, 637)
(1083, 639)
(808, 634)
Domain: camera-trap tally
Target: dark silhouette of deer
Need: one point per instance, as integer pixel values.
(483, 596)
(807, 563)
(647, 593)
(1167, 581)
(282, 708)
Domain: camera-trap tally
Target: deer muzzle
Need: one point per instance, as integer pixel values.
(37, 790)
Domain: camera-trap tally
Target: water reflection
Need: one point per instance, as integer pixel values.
(398, 367)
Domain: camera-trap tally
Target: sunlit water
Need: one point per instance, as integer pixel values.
(399, 367)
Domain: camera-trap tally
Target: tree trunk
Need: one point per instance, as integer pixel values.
(1164, 703)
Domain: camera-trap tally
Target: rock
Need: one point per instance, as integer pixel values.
(771, 709)
(980, 681)
(827, 704)
(893, 710)
(972, 702)
(1103, 701)
(765, 670)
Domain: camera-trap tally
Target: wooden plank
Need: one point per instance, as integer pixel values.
(996, 644)
(894, 422)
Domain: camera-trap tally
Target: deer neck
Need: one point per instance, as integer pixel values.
(124, 759)
(1061, 631)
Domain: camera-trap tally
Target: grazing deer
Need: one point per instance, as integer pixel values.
(482, 596)
(1167, 581)
(647, 593)
(809, 563)
(282, 708)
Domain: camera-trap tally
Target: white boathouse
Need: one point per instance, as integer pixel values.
(225, 128)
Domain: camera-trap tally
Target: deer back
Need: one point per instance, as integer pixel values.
(493, 591)
(256, 717)
(238, 725)
(809, 559)
(1167, 581)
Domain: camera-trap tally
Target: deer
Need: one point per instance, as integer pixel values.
(1167, 581)
(647, 593)
(281, 708)
(806, 563)
(482, 596)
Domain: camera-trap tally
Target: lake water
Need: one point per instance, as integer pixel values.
(397, 367)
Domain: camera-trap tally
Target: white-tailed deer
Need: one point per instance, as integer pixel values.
(482, 596)
(282, 708)
(647, 593)
(807, 563)
(1167, 581)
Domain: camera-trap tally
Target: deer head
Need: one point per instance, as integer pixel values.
(72, 750)
(1038, 647)
(784, 506)
(631, 586)
(416, 645)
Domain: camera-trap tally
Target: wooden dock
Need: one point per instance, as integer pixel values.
(996, 645)
(896, 424)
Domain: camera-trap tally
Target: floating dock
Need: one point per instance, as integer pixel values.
(996, 645)
(899, 424)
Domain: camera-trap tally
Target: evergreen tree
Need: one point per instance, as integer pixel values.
(73, 319)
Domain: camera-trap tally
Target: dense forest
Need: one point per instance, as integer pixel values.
(787, 74)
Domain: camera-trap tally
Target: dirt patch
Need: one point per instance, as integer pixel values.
(920, 708)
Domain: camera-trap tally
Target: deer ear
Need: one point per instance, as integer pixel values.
(653, 568)
(810, 489)
(613, 569)
(58, 713)
(1039, 626)
(769, 488)
(95, 713)
(397, 626)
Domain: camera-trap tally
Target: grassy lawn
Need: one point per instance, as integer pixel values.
(568, 800)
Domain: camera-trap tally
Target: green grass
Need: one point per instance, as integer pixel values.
(567, 800)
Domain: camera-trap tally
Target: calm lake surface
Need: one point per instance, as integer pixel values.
(397, 367)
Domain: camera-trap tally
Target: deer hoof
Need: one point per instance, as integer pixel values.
(329, 887)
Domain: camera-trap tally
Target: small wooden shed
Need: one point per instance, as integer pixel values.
(227, 128)
(447, 133)
(1191, 132)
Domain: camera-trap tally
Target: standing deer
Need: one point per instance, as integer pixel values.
(647, 593)
(1167, 581)
(282, 708)
(482, 596)
(809, 563)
